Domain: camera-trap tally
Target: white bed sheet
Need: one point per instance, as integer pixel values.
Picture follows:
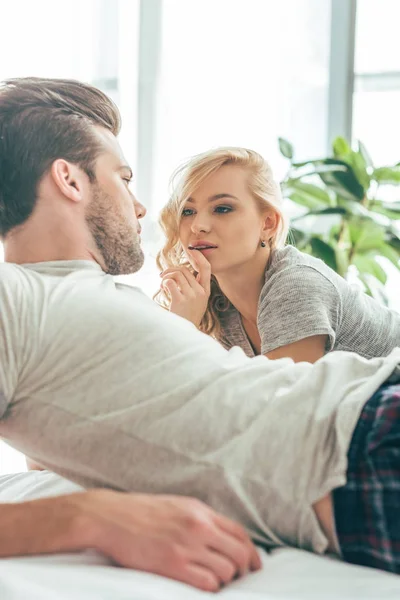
(288, 574)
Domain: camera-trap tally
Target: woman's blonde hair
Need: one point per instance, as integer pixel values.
(186, 179)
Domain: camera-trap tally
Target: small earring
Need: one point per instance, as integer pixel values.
(263, 244)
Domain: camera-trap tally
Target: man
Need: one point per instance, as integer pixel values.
(104, 387)
(173, 536)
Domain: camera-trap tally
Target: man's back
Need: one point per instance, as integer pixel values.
(106, 388)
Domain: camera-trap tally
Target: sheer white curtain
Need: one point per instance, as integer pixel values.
(377, 97)
(236, 72)
(377, 79)
(95, 41)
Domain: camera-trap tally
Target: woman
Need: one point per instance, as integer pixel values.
(226, 268)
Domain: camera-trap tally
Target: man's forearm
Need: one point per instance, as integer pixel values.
(43, 526)
(174, 536)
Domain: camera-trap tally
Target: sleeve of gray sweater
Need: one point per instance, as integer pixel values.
(296, 303)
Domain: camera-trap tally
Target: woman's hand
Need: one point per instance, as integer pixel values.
(189, 293)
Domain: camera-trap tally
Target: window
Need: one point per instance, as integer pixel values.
(377, 79)
(241, 73)
(94, 41)
(377, 95)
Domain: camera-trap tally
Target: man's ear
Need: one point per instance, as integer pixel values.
(69, 179)
(270, 224)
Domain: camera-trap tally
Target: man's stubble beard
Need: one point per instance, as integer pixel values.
(115, 239)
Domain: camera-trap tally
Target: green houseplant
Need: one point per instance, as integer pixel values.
(344, 219)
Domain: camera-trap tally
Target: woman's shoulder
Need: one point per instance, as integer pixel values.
(289, 260)
(295, 274)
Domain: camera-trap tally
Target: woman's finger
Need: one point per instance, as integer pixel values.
(183, 283)
(184, 270)
(193, 281)
(203, 269)
(173, 290)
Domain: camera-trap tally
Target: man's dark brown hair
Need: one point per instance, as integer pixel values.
(42, 120)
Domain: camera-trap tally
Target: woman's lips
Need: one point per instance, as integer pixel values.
(204, 248)
(205, 251)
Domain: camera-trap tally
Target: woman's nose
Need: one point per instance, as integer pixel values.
(200, 224)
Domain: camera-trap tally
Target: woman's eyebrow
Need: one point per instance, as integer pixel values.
(220, 196)
(215, 197)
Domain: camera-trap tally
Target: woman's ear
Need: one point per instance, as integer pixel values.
(69, 179)
(270, 224)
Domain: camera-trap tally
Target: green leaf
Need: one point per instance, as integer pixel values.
(310, 189)
(365, 282)
(358, 210)
(354, 208)
(391, 210)
(298, 238)
(334, 210)
(343, 182)
(394, 232)
(286, 148)
(366, 235)
(359, 165)
(393, 241)
(374, 288)
(389, 253)
(324, 251)
(303, 199)
(342, 260)
(366, 263)
(394, 206)
(337, 176)
(387, 175)
(353, 164)
(340, 147)
(321, 166)
(365, 154)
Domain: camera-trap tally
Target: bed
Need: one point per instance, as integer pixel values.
(288, 574)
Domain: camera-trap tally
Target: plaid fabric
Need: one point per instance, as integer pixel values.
(367, 508)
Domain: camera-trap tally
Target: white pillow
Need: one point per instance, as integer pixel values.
(30, 485)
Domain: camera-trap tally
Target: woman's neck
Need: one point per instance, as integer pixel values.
(242, 286)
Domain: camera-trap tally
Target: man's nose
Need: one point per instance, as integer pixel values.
(140, 210)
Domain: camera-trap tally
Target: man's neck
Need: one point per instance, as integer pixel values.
(22, 248)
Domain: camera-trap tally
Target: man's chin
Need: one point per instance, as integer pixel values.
(123, 266)
(137, 266)
(130, 267)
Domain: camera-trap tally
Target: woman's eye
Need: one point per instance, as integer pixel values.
(187, 212)
(223, 209)
(127, 179)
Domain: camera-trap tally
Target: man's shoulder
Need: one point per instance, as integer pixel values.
(12, 276)
(18, 292)
(6, 267)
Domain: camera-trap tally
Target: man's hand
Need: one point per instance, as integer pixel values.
(189, 293)
(177, 537)
(174, 536)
